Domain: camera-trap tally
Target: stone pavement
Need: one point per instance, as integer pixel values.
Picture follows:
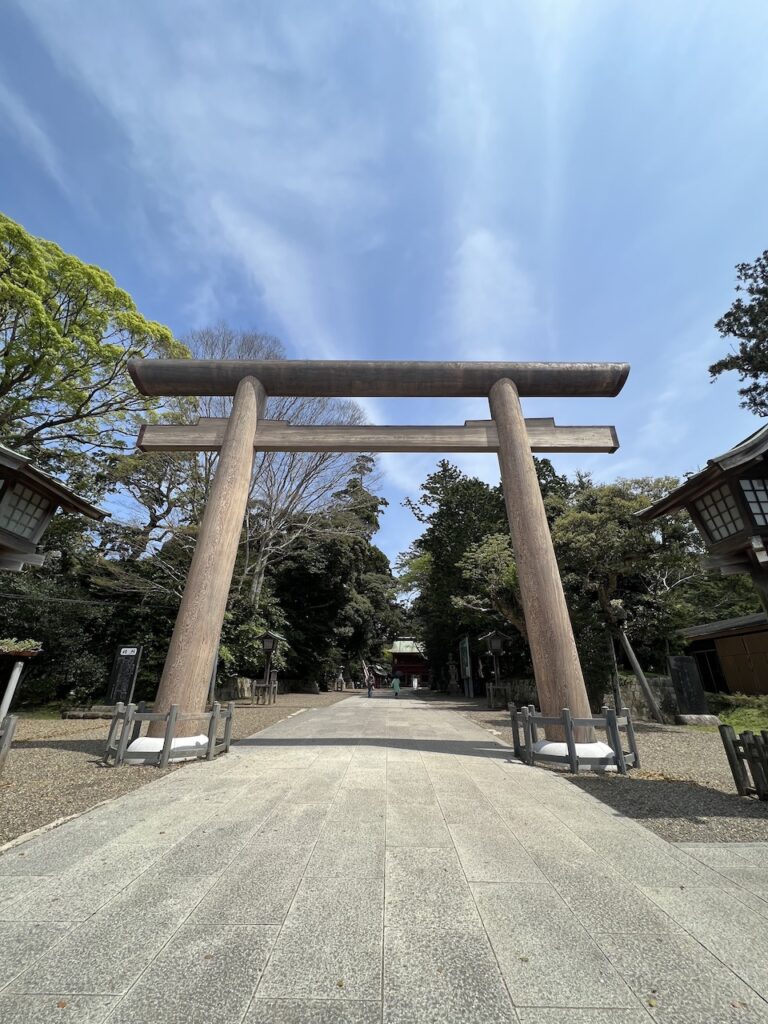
(376, 861)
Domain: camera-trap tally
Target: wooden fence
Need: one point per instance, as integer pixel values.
(128, 720)
(748, 756)
(532, 721)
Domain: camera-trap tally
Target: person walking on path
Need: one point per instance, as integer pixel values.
(370, 684)
(396, 684)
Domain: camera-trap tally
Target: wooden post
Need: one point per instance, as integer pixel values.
(170, 735)
(187, 670)
(228, 725)
(570, 742)
(614, 667)
(213, 725)
(650, 700)
(125, 735)
(631, 738)
(559, 680)
(616, 742)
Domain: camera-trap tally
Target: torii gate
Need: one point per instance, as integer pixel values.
(193, 646)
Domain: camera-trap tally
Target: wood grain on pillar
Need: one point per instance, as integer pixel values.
(188, 664)
(559, 679)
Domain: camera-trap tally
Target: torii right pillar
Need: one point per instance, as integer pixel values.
(559, 679)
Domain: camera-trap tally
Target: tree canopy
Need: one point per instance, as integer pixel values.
(747, 322)
(66, 334)
(306, 563)
(462, 574)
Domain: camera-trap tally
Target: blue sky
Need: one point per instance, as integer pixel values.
(486, 179)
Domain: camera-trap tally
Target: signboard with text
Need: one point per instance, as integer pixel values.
(125, 668)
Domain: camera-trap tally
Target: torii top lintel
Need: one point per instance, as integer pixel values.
(338, 378)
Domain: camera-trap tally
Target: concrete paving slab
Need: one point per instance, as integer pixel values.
(427, 887)
(257, 890)
(422, 825)
(714, 855)
(442, 977)
(53, 1009)
(562, 1015)
(83, 889)
(489, 854)
(739, 940)
(330, 943)
(502, 883)
(12, 887)
(757, 900)
(105, 954)
(680, 980)
(753, 879)
(54, 852)
(22, 943)
(607, 904)
(312, 1011)
(295, 822)
(207, 850)
(200, 977)
(363, 805)
(348, 847)
(546, 957)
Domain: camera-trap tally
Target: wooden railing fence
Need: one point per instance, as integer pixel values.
(748, 757)
(531, 721)
(128, 720)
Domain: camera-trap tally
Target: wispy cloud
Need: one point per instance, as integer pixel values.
(451, 179)
(256, 152)
(32, 135)
(492, 305)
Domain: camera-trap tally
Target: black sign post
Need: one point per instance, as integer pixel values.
(125, 668)
(691, 699)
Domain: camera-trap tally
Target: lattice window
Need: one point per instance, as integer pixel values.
(756, 493)
(22, 511)
(720, 513)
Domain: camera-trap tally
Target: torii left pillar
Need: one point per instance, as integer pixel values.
(559, 679)
(191, 654)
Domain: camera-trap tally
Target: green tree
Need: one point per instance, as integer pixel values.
(463, 570)
(456, 511)
(336, 590)
(747, 322)
(66, 334)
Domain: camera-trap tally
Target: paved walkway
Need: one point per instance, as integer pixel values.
(377, 860)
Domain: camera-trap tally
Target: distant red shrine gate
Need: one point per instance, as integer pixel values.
(195, 639)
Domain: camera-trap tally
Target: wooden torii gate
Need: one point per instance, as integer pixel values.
(195, 639)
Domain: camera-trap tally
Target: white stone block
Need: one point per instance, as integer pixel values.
(154, 744)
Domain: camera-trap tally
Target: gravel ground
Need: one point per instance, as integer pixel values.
(54, 769)
(683, 792)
